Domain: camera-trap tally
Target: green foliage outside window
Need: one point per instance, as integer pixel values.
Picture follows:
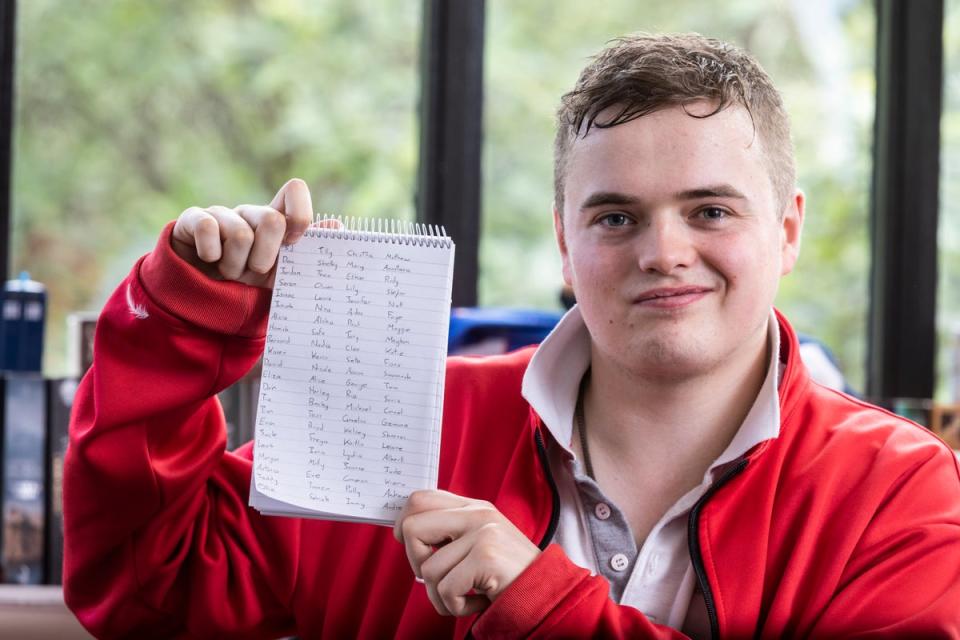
(821, 57)
(948, 240)
(130, 111)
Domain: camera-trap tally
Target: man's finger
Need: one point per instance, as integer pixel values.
(423, 532)
(454, 589)
(294, 201)
(237, 239)
(198, 229)
(427, 500)
(329, 223)
(269, 228)
(435, 568)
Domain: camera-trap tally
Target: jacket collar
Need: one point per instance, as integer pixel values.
(553, 376)
(795, 380)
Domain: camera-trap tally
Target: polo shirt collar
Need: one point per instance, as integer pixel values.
(552, 381)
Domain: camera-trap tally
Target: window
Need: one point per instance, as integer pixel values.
(129, 111)
(821, 57)
(948, 234)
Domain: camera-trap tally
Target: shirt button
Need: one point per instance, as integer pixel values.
(602, 510)
(619, 562)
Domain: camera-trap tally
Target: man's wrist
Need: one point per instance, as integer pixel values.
(529, 599)
(182, 290)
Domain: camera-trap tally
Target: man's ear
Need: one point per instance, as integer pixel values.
(560, 234)
(791, 228)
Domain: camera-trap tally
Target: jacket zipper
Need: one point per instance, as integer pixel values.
(693, 540)
(693, 529)
(555, 509)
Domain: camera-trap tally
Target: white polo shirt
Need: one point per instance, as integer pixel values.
(658, 579)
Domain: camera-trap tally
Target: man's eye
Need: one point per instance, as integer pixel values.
(713, 213)
(615, 220)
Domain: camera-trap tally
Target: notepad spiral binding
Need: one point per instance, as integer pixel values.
(380, 230)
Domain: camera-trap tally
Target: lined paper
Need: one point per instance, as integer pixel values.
(348, 421)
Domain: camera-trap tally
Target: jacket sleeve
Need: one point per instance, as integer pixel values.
(903, 579)
(159, 541)
(554, 598)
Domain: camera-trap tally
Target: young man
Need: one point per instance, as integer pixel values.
(661, 465)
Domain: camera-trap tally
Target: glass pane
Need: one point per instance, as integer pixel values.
(821, 57)
(130, 111)
(948, 238)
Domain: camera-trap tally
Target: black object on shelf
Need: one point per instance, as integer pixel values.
(60, 394)
(23, 489)
(22, 316)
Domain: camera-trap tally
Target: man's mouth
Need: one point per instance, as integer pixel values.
(672, 296)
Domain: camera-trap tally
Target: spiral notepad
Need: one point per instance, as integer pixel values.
(351, 394)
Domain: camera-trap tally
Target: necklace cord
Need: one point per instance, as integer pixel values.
(582, 426)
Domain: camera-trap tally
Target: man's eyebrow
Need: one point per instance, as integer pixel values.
(606, 198)
(711, 191)
(603, 198)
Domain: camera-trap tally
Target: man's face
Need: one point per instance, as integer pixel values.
(673, 241)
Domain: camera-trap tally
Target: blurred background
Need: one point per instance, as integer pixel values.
(122, 113)
(127, 112)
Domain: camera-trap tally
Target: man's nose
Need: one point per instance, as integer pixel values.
(665, 245)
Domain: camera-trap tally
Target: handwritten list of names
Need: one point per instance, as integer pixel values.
(348, 423)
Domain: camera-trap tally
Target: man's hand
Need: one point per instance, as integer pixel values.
(464, 550)
(243, 243)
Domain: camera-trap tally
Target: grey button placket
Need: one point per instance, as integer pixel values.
(613, 542)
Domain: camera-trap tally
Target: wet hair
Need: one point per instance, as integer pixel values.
(640, 74)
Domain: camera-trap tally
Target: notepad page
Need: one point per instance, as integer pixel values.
(351, 395)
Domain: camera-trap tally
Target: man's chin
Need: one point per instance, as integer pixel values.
(666, 361)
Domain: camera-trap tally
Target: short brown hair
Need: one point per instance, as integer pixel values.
(642, 73)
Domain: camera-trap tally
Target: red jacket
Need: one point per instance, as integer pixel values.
(847, 525)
